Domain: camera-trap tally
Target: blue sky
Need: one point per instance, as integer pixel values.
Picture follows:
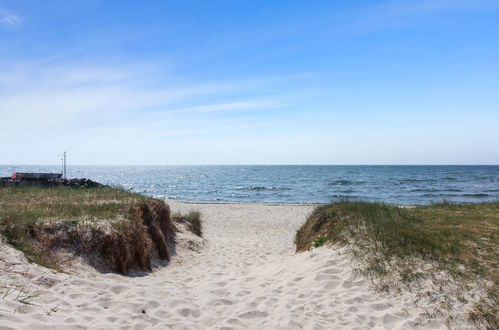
(249, 82)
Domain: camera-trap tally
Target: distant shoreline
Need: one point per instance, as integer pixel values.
(241, 203)
(305, 204)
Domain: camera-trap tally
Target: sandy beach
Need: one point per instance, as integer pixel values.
(244, 275)
(259, 165)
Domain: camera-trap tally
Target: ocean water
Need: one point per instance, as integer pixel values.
(404, 185)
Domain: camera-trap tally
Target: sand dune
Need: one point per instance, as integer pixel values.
(245, 277)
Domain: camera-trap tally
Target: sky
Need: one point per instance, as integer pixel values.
(249, 82)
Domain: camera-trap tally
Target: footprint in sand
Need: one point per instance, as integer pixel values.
(116, 289)
(253, 314)
(218, 302)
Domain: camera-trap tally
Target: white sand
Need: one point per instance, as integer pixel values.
(246, 277)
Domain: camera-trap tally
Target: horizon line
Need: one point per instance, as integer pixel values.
(421, 164)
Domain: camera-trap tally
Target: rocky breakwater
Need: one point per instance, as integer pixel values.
(45, 180)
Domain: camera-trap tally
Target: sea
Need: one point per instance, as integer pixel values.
(401, 185)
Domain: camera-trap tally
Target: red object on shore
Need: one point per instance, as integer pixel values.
(13, 176)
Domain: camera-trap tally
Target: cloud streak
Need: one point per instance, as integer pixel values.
(113, 100)
(9, 19)
(402, 12)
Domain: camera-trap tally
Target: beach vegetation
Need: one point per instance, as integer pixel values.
(123, 228)
(319, 241)
(192, 220)
(21, 295)
(453, 247)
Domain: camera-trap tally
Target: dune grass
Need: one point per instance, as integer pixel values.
(192, 220)
(455, 246)
(23, 209)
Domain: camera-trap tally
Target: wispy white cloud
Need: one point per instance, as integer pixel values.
(241, 105)
(91, 110)
(9, 19)
(403, 12)
(119, 99)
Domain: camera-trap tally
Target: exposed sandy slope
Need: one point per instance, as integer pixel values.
(246, 277)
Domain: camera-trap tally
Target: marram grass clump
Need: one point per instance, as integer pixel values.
(454, 247)
(191, 220)
(110, 228)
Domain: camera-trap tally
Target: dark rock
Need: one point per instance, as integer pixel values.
(46, 181)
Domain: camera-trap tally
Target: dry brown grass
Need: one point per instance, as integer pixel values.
(123, 229)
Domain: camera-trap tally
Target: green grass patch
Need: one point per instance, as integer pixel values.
(320, 241)
(396, 245)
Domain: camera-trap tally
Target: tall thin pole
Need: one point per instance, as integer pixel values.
(64, 166)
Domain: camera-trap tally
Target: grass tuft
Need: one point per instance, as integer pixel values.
(192, 220)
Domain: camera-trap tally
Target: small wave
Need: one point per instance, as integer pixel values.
(259, 188)
(424, 190)
(440, 195)
(485, 178)
(455, 195)
(216, 192)
(341, 196)
(476, 195)
(416, 180)
(344, 183)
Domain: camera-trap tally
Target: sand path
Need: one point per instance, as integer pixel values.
(246, 277)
